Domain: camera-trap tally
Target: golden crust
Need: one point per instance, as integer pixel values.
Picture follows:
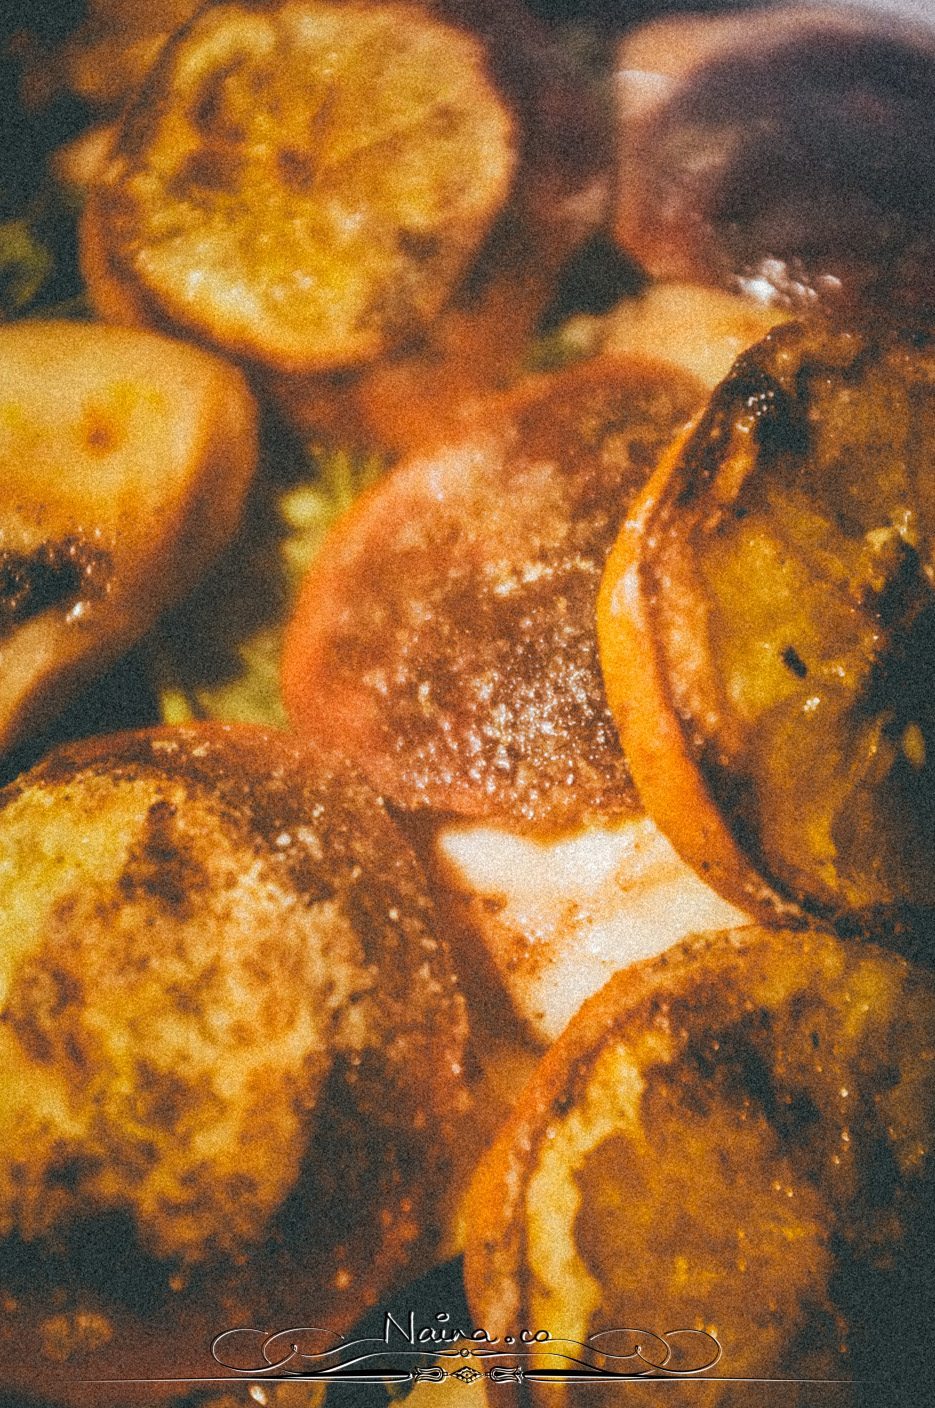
(233, 1041)
(700, 1149)
(304, 184)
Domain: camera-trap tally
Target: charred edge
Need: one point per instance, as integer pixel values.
(748, 390)
(707, 444)
(780, 426)
(733, 798)
(794, 662)
(54, 575)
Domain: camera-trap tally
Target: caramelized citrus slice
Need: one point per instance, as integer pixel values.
(304, 183)
(734, 1139)
(231, 1046)
(126, 460)
(445, 635)
(767, 627)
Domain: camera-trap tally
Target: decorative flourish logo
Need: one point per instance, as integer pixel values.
(531, 1355)
(408, 1353)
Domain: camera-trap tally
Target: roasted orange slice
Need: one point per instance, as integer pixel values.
(726, 1160)
(767, 631)
(304, 183)
(445, 636)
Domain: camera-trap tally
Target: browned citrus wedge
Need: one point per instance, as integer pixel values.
(304, 183)
(231, 1044)
(767, 629)
(732, 1141)
(445, 636)
(126, 460)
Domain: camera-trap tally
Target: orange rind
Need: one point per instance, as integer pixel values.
(766, 627)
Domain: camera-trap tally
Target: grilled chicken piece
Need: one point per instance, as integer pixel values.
(767, 621)
(560, 916)
(302, 184)
(126, 458)
(787, 152)
(735, 1141)
(231, 1046)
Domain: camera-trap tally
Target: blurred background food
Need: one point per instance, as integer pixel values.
(328, 171)
(785, 152)
(127, 461)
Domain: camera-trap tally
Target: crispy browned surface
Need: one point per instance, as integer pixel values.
(231, 1044)
(445, 636)
(786, 149)
(782, 571)
(304, 183)
(736, 1136)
